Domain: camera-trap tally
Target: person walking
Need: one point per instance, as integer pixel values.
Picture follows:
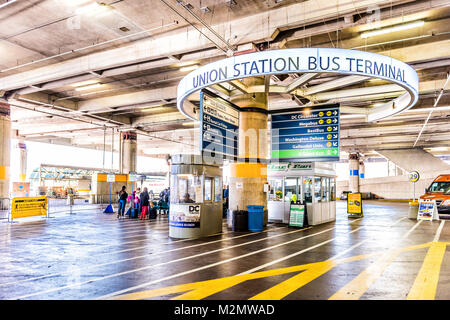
(123, 196)
(144, 203)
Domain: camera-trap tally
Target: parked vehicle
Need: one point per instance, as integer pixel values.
(439, 190)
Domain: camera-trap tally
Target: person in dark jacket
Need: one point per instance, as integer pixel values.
(123, 196)
(144, 203)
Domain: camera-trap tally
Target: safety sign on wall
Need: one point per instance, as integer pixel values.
(306, 135)
(110, 178)
(28, 207)
(220, 125)
(184, 215)
(354, 204)
(427, 210)
(297, 215)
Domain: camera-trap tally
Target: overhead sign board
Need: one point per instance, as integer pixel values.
(110, 178)
(28, 207)
(132, 177)
(306, 135)
(304, 60)
(219, 126)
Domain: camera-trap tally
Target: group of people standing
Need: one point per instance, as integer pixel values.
(139, 203)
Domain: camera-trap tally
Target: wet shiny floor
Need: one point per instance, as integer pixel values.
(91, 255)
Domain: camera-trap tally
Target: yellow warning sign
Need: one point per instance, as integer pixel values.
(354, 203)
(28, 207)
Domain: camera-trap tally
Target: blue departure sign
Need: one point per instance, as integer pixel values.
(306, 135)
(220, 125)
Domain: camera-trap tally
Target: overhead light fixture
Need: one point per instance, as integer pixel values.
(84, 83)
(93, 8)
(189, 68)
(89, 87)
(7, 3)
(401, 27)
(205, 9)
(190, 123)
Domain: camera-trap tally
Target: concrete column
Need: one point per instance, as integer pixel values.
(362, 170)
(23, 161)
(249, 173)
(129, 151)
(353, 163)
(5, 149)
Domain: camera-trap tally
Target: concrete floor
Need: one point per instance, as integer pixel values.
(91, 255)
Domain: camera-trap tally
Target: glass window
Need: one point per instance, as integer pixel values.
(290, 189)
(440, 186)
(208, 187)
(325, 189)
(217, 189)
(186, 189)
(333, 189)
(317, 189)
(276, 190)
(307, 188)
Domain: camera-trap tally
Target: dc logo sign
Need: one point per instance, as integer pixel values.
(194, 209)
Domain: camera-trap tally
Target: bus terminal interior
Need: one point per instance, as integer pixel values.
(224, 150)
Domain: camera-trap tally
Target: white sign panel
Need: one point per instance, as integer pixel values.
(110, 178)
(427, 210)
(185, 215)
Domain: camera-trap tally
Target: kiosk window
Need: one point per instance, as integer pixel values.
(317, 189)
(307, 188)
(276, 190)
(186, 189)
(208, 187)
(325, 189)
(217, 189)
(290, 189)
(333, 189)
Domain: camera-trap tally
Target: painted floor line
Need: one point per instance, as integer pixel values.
(154, 254)
(173, 261)
(208, 266)
(439, 231)
(426, 282)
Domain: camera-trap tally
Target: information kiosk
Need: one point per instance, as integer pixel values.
(311, 183)
(195, 197)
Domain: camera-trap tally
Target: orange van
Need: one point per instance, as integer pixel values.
(440, 191)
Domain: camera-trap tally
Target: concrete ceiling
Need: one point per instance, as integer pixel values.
(135, 49)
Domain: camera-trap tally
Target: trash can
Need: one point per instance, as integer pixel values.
(413, 210)
(240, 220)
(92, 199)
(255, 218)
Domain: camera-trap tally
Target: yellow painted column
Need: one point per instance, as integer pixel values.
(5, 149)
(249, 174)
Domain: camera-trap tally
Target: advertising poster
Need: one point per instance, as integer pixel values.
(297, 216)
(426, 209)
(28, 207)
(185, 215)
(354, 204)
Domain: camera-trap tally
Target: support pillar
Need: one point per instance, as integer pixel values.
(5, 149)
(353, 181)
(362, 170)
(23, 161)
(249, 174)
(129, 152)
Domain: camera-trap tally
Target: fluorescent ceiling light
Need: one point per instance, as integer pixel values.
(93, 8)
(401, 27)
(7, 3)
(153, 109)
(190, 123)
(189, 68)
(84, 83)
(92, 86)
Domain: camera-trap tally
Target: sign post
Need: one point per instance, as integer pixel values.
(427, 210)
(297, 215)
(354, 205)
(110, 178)
(414, 177)
(306, 135)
